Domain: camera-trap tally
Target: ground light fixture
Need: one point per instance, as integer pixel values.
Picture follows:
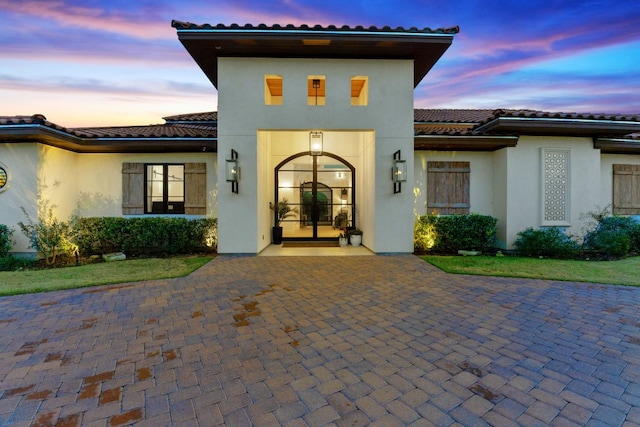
(233, 171)
(315, 143)
(398, 172)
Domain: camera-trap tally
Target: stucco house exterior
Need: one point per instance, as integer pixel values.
(324, 117)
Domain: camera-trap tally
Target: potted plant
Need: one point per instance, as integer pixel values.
(282, 210)
(355, 236)
(343, 238)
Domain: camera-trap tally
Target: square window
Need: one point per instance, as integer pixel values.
(272, 89)
(316, 90)
(359, 90)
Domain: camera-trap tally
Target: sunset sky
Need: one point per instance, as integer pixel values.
(118, 62)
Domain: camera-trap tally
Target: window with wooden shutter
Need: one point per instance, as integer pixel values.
(448, 187)
(195, 181)
(626, 189)
(132, 188)
(166, 188)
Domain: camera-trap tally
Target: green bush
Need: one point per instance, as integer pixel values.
(614, 237)
(145, 236)
(450, 233)
(5, 240)
(47, 234)
(549, 242)
(12, 263)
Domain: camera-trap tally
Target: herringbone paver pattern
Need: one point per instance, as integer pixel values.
(304, 341)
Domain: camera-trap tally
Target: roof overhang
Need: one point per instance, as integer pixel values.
(617, 145)
(37, 133)
(206, 43)
(559, 126)
(464, 142)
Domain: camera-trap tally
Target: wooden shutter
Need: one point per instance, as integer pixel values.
(626, 189)
(448, 187)
(195, 188)
(132, 188)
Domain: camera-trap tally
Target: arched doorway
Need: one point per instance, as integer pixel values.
(322, 189)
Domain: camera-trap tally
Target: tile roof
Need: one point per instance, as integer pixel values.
(150, 131)
(206, 43)
(531, 114)
(167, 130)
(464, 129)
(319, 28)
(451, 115)
(208, 116)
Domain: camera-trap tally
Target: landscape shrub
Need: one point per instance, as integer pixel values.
(13, 263)
(47, 234)
(549, 242)
(5, 240)
(450, 233)
(146, 236)
(613, 237)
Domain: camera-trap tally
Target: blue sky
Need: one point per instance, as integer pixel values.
(116, 62)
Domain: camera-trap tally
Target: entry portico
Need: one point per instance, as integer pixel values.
(277, 85)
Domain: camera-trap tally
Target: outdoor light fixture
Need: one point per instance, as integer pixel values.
(398, 172)
(315, 83)
(315, 143)
(233, 171)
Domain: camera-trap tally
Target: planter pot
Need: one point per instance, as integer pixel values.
(276, 235)
(356, 239)
(343, 241)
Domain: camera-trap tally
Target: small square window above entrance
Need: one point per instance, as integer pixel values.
(359, 90)
(316, 90)
(272, 89)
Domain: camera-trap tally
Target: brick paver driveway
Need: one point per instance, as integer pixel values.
(383, 340)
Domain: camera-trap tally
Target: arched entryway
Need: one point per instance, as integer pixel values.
(322, 189)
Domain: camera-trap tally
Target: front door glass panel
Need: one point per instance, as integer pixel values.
(320, 188)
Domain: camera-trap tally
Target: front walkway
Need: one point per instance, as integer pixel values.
(347, 341)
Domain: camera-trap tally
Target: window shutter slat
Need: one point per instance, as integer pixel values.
(626, 189)
(132, 188)
(448, 187)
(195, 179)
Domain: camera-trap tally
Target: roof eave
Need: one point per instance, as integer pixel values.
(617, 145)
(206, 44)
(464, 142)
(37, 133)
(559, 126)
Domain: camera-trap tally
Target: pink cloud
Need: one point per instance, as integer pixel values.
(91, 18)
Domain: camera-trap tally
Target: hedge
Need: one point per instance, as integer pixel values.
(149, 235)
(451, 233)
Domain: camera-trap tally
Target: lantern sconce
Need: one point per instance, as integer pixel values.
(315, 143)
(233, 171)
(398, 172)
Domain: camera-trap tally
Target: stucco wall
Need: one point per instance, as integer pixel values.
(508, 184)
(243, 115)
(21, 162)
(83, 184)
(525, 186)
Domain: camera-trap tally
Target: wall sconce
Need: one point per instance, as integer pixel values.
(315, 143)
(343, 194)
(398, 172)
(233, 171)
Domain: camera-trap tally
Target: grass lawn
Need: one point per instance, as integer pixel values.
(52, 279)
(622, 272)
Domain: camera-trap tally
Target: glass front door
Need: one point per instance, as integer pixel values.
(321, 189)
